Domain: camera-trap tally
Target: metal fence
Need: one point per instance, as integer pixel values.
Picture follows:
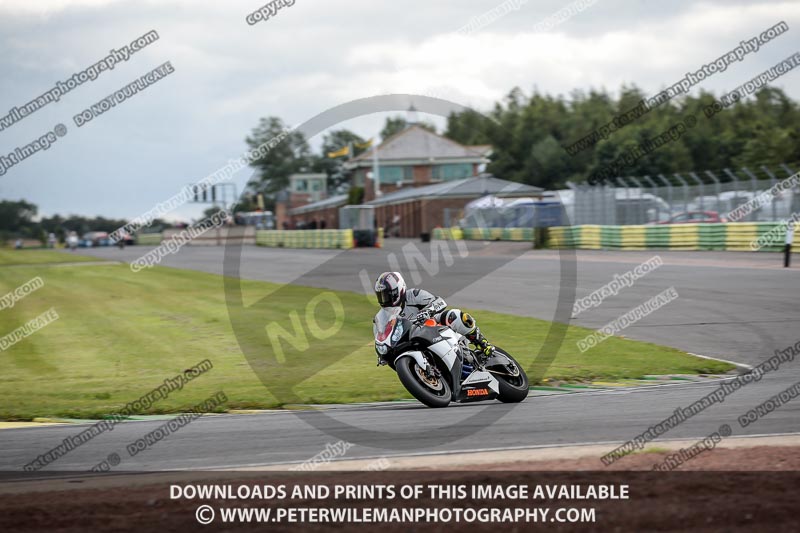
(538, 214)
(683, 197)
(702, 196)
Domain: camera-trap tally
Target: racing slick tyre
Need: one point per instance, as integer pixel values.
(512, 379)
(433, 392)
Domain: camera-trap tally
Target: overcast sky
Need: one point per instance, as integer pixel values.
(310, 57)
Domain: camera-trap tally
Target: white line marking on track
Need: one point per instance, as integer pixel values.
(480, 450)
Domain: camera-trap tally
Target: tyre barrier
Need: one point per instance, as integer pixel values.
(149, 239)
(484, 234)
(733, 236)
(306, 238)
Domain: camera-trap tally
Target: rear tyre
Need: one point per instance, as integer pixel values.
(512, 379)
(433, 392)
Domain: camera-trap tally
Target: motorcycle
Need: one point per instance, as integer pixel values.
(436, 365)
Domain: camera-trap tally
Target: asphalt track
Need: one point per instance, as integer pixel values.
(736, 306)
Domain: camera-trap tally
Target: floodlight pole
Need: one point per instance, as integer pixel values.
(376, 173)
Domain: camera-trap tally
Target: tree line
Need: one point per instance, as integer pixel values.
(534, 137)
(18, 219)
(537, 139)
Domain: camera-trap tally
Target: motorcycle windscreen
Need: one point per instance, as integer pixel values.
(385, 321)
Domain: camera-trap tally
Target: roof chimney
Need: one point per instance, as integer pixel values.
(412, 118)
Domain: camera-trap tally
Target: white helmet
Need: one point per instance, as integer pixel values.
(390, 288)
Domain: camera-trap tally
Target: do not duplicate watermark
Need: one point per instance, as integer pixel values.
(122, 94)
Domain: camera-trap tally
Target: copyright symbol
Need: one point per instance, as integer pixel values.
(60, 130)
(725, 430)
(690, 121)
(204, 514)
(113, 459)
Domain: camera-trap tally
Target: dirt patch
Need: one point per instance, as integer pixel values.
(759, 496)
(756, 459)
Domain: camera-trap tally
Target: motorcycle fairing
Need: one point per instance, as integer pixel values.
(480, 385)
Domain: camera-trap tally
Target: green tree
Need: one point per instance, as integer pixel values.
(288, 157)
(395, 125)
(526, 132)
(16, 215)
(333, 167)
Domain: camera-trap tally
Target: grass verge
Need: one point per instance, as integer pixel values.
(10, 257)
(120, 334)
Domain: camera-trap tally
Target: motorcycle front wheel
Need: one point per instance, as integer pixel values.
(433, 392)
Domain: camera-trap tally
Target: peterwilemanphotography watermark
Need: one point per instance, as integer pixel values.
(612, 288)
(144, 402)
(640, 150)
(765, 197)
(331, 452)
(163, 431)
(8, 300)
(714, 397)
(684, 455)
(92, 72)
(172, 426)
(222, 174)
(768, 406)
(682, 86)
(179, 240)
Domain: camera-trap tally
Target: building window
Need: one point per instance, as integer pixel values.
(453, 171)
(300, 185)
(360, 178)
(395, 174)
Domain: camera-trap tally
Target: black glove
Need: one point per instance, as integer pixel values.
(421, 317)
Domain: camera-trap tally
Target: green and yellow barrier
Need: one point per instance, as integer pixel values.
(312, 238)
(484, 234)
(149, 239)
(734, 236)
(448, 234)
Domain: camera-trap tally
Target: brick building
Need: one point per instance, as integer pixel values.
(424, 179)
(304, 189)
(325, 213)
(414, 157)
(420, 210)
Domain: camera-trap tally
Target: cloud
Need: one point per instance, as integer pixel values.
(311, 57)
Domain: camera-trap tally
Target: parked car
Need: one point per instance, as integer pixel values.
(695, 217)
(94, 238)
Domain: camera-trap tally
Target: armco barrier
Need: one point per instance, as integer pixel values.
(149, 239)
(308, 238)
(735, 236)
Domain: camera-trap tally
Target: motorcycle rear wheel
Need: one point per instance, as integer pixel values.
(513, 388)
(431, 392)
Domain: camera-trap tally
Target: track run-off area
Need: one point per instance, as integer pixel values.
(740, 307)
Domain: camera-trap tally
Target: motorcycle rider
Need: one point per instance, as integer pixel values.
(418, 305)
